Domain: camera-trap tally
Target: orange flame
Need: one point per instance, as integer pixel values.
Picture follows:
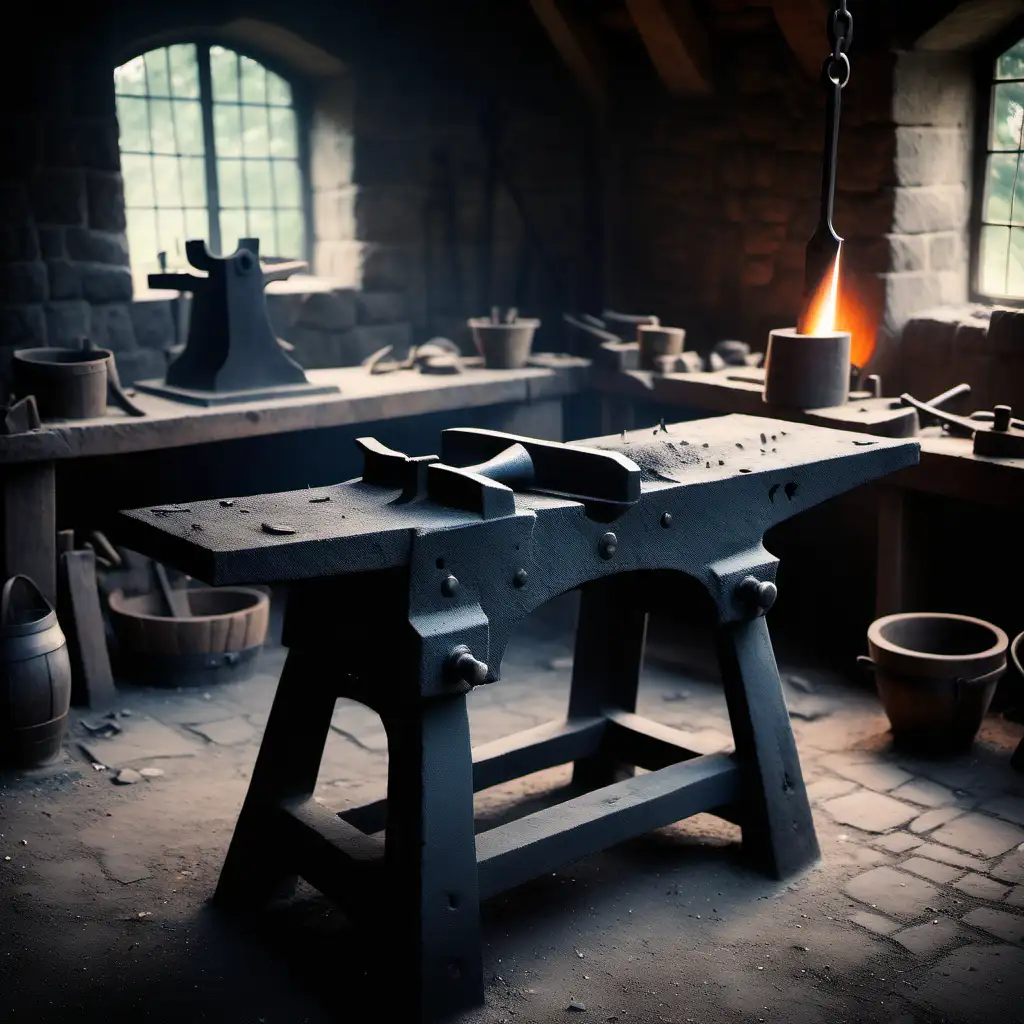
(820, 315)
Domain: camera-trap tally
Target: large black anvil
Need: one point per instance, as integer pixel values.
(405, 587)
(232, 354)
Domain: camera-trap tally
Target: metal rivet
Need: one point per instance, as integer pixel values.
(760, 594)
(520, 578)
(607, 545)
(449, 586)
(466, 668)
(666, 519)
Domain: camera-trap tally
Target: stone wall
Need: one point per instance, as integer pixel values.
(64, 258)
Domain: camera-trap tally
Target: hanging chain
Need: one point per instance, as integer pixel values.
(840, 34)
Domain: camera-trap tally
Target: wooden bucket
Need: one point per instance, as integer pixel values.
(35, 677)
(217, 643)
(68, 383)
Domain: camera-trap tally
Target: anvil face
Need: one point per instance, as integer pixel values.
(722, 482)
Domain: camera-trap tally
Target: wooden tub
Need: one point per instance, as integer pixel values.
(218, 643)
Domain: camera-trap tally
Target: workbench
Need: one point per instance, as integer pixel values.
(75, 472)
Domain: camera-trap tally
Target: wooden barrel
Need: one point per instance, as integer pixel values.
(35, 677)
(227, 628)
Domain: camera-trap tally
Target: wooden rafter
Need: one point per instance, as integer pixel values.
(803, 23)
(578, 47)
(676, 43)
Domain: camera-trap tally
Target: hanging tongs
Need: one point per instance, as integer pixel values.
(825, 245)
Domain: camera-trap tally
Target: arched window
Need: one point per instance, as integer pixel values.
(210, 149)
(1000, 254)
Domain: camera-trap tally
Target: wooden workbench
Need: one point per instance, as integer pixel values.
(30, 461)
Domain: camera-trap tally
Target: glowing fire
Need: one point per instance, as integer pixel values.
(820, 315)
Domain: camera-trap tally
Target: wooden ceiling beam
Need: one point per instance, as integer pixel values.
(579, 48)
(803, 23)
(676, 43)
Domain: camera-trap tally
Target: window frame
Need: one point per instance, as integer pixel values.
(302, 105)
(984, 84)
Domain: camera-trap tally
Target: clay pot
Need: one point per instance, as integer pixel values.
(35, 677)
(503, 346)
(657, 341)
(936, 674)
(68, 383)
(217, 643)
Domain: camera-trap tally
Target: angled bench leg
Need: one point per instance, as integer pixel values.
(257, 868)
(433, 924)
(778, 832)
(606, 668)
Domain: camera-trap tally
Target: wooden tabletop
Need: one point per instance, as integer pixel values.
(362, 398)
(740, 389)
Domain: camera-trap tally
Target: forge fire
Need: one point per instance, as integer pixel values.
(511, 512)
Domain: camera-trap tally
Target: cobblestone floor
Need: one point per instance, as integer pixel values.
(916, 913)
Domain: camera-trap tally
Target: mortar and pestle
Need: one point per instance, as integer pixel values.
(70, 383)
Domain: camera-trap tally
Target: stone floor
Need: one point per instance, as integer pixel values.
(916, 913)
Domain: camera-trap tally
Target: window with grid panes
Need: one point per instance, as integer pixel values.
(1000, 262)
(209, 149)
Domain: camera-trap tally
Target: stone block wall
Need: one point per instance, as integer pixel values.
(719, 195)
(63, 253)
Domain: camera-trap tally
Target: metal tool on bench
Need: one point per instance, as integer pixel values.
(409, 581)
(996, 433)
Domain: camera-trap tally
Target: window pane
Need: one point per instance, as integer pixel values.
(1011, 63)
(227, 136)
(161, 126)
(184, 70)
(168, 188)
(261, 226)
(142, 247)
(193, 181)
(157, 77)
(1007, 116)
(224, 74)
(995, 243)
(254, 81)
(1015, 282)
(287, 184)
(259, 188)
(197, 225)
(188, 126)
(171, 234)
(133, 122)
(137, 173)
(254, 130)
(130, 78)
(1000, 186)
(279, 92)
(290, 232)
(232, 228)
(282, 132)
(229, 184)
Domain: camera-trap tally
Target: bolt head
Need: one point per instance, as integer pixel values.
(520, 578)
(760, 595)
(666, 520)
(607, 545)
(449, 586)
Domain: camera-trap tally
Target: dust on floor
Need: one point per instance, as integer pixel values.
(915, 914)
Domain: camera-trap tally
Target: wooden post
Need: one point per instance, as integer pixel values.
(433, 921)
(256, 867)
(606, 668)
(778, 831)
(28, 525)
(892, 570)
